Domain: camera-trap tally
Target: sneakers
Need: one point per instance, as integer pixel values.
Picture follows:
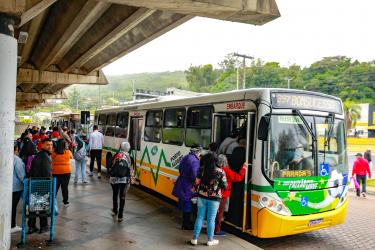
(120, 219)
(66, 204)
(15, 229)
(212, 243)
(194, 242)
(75, 182)
(85, 182)
(363, 195)
(91, 174)
(221, 233)
(113, 213)
(99, 176)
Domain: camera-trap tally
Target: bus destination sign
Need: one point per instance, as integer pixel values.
(305, 101)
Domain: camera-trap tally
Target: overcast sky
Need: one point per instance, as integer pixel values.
(306, 31)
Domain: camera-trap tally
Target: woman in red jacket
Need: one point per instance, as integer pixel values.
(360, 170)
(231, 177)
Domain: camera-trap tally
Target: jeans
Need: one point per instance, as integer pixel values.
(209, 208)
(96, 154)
(80, 170)
(15, 199)
(63, 181)
(363, 179)
(119, 191)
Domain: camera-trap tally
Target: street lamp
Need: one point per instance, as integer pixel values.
(288, 79)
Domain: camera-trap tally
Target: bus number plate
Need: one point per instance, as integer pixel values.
(315, 222)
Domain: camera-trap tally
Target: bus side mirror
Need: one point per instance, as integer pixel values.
(263, 128)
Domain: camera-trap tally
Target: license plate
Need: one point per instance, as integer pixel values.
(315, 222)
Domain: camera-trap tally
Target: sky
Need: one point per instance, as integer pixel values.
(307, 31)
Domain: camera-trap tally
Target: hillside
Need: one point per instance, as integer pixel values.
(121, 87)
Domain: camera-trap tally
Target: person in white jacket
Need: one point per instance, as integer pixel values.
(96, 142)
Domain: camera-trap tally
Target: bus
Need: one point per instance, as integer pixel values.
(72, 121)
(297, 174)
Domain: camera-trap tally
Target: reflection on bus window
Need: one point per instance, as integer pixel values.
(101, 122)
(198, 126)
(173, 130)
(111, 123)
(122, 125)
(153, 126)
(290, 148)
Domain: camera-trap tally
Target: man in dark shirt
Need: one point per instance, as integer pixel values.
(41, 168)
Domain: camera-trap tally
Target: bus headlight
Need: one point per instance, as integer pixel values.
(274, 204)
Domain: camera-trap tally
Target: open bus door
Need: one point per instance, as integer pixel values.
(239, 210)
(136, 124)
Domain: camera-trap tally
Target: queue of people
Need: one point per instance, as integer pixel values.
(209, 177)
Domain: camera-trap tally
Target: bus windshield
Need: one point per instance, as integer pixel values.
(291, 146)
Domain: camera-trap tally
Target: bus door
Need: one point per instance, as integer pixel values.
(238, 213)
(135, 133)
(223, 124)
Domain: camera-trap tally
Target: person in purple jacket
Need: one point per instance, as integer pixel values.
(183, 189)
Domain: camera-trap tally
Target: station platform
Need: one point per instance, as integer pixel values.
(149, 223)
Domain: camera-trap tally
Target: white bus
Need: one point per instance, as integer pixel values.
(297, 173)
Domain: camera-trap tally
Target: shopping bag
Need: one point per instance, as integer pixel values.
(354, 180)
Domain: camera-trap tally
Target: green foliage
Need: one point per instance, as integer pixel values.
(352, 114)
(201, 78)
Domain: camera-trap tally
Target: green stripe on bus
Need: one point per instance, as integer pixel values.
(266, 189)
(116, 150)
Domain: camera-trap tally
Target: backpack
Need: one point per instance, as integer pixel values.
(120, 168)
(81, 153)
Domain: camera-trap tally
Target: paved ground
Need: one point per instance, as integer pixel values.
(153, 224)
(356, 233)
(149, 223)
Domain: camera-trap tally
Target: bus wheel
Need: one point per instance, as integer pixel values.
(108, 160)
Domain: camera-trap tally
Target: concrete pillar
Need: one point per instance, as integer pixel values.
(8, 73)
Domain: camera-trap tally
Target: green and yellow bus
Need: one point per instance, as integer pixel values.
(297, 173)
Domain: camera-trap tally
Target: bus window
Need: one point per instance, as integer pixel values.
(198, 126)
(111, 123)
(122, 125)
(174, 123)
(101, 123)
(153, 126)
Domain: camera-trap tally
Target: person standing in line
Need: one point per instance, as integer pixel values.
(210, 184)
(229, 143)
(18, 177)
(367, 156)
(61, 169)
(80, 160)
(121, 176)
(28, 151)
(41, 168)
(231, 177)
(55, 133)
(189, 168)
(360, 169)
(96, 142)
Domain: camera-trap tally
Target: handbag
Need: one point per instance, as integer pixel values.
(355, 182)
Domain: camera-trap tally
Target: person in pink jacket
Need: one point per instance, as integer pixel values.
(360, 169)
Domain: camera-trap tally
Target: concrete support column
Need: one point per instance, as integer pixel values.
(8, 74)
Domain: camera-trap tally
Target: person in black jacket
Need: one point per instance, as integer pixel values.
(41, 168)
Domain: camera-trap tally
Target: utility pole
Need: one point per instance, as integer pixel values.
(133, 82)
(288, 79)
(244, 57)
(100, 101)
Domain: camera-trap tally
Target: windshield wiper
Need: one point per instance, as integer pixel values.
(311, 132)
(328, 135)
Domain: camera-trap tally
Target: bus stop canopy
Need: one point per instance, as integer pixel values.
(64, 42)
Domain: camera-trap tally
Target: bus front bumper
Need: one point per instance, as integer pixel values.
(272, 225)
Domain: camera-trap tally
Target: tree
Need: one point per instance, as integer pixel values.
(201, 77)
(352, 114)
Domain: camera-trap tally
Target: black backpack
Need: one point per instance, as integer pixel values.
(120, 168)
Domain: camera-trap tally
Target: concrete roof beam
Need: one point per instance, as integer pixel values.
(246, 11)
